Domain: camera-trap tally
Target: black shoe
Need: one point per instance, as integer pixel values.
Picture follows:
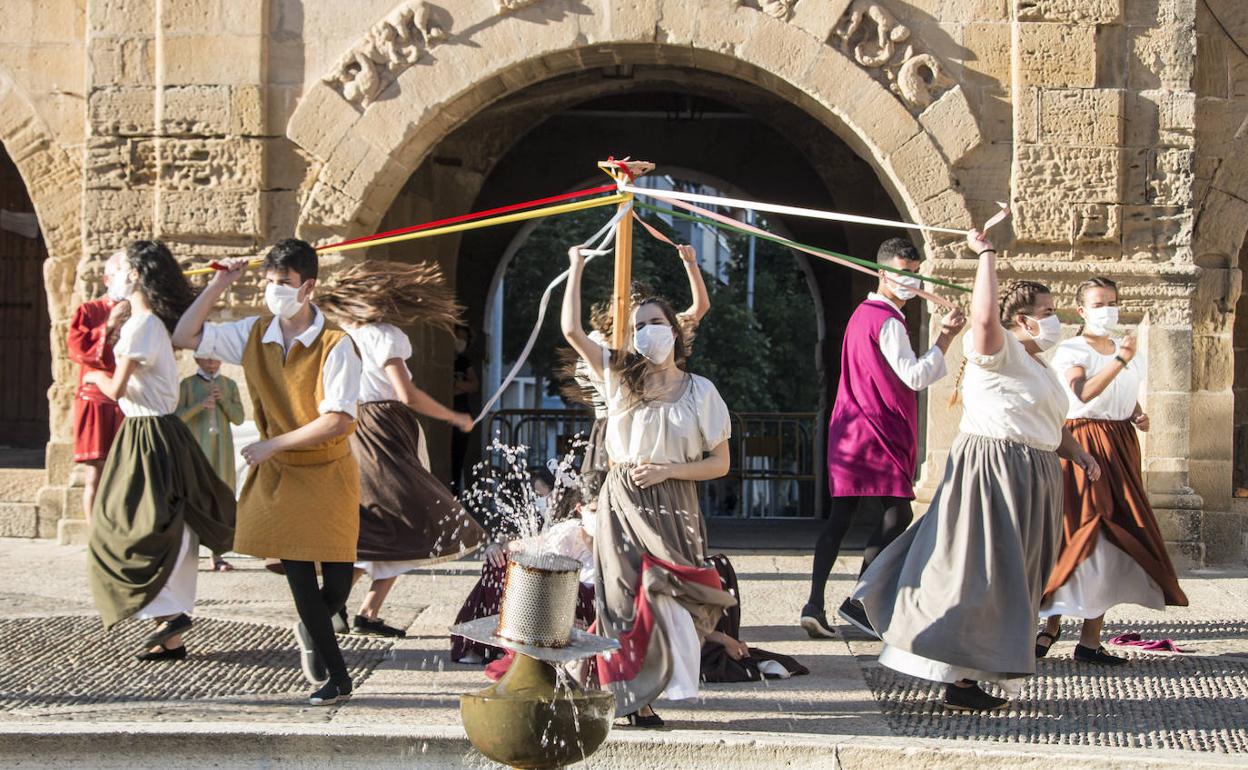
(164, 653)
(816, 622)
(972, 699)
(1098, 656)
(853, 613)
(365, 627)
(167, 630)
(636, 720)
(333, 692)
(339, 619)
(1043, 649)
(309, 659)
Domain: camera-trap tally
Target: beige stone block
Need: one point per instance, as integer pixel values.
(921, 169)
(57, 21)
(952, 125)
(876, 115)
(1091, 174)
(1212, 74)
(212, 164)
(121, 17)
(122, 61)
(1179, 525)
(1213, 363)
(216, 214)
(213, 60)
(1212, 481)
(1097, 223)
(1224, 537)
(247, 111)
(631, 21)
(1161, 58)
(1056, 55)
(1220, 228)
(1169, 353)
(1212, 434)
(55, 68)
(244, 17)
(321, 120)
(819, 19)
(1079, 11)
(126, 111)
(201, 110)
(1091, 116)
(988, 52)
(1171, 177)
(192, 17)
(780, 52)
(19, 519)
(19, 23)
(947, 209)
(111, 163)
(728, 25)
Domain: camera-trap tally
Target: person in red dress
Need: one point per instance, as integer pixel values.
(92, 333)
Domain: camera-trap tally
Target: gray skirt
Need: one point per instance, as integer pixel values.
(956, 596)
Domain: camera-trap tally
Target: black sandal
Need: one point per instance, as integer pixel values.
(1097, 657)
(164, 653)
(1042, 651)
(636, 720)
(168, 629)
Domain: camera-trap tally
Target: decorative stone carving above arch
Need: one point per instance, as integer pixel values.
(390, 47)
(878, 41)
(364, 157)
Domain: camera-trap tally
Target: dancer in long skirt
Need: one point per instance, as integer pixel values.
(956, 596)
(408, 518)
(1112, 550)
(587, 387)
(159, 496)
(667, 429)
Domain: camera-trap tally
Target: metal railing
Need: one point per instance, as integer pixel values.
(775, 457)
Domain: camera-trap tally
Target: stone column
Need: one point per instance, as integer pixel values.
(175, 145)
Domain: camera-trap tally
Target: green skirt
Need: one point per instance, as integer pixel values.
(155, 481)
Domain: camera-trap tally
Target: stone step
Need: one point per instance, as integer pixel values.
(19, 520)
(21, 485)
(56, 745)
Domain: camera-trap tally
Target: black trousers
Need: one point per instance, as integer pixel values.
(897, 516)
(317, 604)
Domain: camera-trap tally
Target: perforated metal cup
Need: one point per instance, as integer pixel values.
(539, 600)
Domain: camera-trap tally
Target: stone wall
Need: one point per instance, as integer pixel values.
(1112, 127)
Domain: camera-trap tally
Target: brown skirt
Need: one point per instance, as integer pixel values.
(406, 514)
(1114, 506)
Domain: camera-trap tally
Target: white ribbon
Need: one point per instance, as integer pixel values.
(776, 208)
(601, 238)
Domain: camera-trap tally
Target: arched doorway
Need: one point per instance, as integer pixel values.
(540, 140)
(25, 357)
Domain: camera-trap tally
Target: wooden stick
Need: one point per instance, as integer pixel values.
(621, 297)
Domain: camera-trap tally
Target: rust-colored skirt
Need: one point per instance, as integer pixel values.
(406, 514)
(1115, 507)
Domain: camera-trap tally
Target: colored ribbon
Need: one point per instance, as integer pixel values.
(601, 238)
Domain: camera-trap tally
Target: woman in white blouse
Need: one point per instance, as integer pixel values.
(667, 429)
(1112, 550)
(954, 598)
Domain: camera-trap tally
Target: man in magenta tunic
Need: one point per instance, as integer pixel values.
(872, 435)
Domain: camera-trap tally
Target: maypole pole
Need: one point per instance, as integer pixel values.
(625, 170)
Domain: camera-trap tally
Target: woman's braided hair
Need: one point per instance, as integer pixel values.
(1015, 297)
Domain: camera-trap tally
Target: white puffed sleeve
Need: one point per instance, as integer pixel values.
(714, 421)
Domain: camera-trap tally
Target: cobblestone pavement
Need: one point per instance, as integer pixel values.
(59, 665)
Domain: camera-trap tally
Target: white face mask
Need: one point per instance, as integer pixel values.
(1050, 331)
(282, 301)
(1100, 321)
(119, 284)
(903, 286)
(655, 342)
(461, 345)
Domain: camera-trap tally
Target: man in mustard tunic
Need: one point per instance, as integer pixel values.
(300, 502)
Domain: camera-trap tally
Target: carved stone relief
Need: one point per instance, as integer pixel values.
(505, 6)
(390, 47)
(778, 9)
(874, 38)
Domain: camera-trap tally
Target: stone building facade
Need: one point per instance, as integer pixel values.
(1116, 129)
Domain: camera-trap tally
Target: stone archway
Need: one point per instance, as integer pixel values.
(53, 180)
(416, 76)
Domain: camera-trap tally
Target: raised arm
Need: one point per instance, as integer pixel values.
(987, 334)
(1087, 388)
(697, 285)
(570, 316)
(190, 328)
(419, 401)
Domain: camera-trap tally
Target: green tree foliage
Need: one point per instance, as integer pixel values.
(760, 361)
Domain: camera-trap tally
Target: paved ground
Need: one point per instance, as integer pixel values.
(58, 666)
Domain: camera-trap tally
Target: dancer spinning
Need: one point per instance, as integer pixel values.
(666, 430)
(873, 433)
(301, 501)
(1112, 551)
(92, 334)
(955, 597)
(159, 496)
(588, 387)
(407, 517)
